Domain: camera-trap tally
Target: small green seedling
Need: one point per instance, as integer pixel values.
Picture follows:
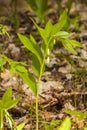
(3, 30)
(7, 103)
(39, 7)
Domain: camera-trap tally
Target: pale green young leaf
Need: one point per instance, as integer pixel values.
(7, 95)
(31, 45)
(29, 80)
(66, 125)
(20, 127)
(75, 43)
(62, 34)
(68, 46)
(61, 23)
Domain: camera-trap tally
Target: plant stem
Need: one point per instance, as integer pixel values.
(38, 86)
(1, 119)
(37, 96)
(37, 113)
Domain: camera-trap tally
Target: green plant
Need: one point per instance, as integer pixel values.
(66, 124)
(20, 127)
(80, 117)
(41, 56)
(39, 7)
(50, 126)
(78, 114)
(7, 103)
(3, 30)
(72, 22)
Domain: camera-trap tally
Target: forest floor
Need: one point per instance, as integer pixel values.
(64, 83)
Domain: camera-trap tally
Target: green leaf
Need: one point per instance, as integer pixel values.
(8, 118)
(61, 23)
(10, 104)
(1, 104)
(12, 70)
(62, 34)
(52, 125)
(78, 114)
(21, 68)
(20, 127)
(48, 29)
(68, 46)
(36, 65)
(41, 31)
(85, 128)
(74, 43)
(7, 96)
(32, 4)
(37, 48)
(29, 80)
(32, 46)
(46, 33)
(66, 125)
(52, 43)
(2, 62)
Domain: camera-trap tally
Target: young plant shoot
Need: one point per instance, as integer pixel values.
(7, 103)
(40, 56)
